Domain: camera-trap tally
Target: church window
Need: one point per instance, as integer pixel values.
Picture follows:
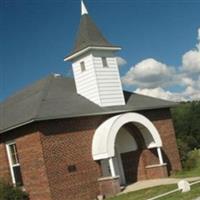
(13, 159)
(104, 61)
(82, 66)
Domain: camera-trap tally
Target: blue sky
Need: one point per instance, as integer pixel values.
(35, 35)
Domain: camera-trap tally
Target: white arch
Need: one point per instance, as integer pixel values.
(103, 144)
(125, 142)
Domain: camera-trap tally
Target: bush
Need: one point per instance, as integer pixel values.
(193, 159)
(183, 149)
(8, 192)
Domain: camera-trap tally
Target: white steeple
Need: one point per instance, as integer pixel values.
(95, 66)
(83, 8)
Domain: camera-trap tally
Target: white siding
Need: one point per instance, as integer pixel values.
(102, 85)
(108, 81)
(86, 84)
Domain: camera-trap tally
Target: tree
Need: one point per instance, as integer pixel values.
(186, 117)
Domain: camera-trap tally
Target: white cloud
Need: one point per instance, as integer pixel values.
(161, 93)
(149, 73)
(186, 81)
(121, 61)
(188, 94)
(152, 76)
(191, 61)
(191, 93)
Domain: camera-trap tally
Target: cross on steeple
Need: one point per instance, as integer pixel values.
(83, 8)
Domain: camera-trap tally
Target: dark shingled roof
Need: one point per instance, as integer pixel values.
(89, 35)
(55, 97)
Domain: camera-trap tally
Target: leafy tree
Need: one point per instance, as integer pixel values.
(186, 117)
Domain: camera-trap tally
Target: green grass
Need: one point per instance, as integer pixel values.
(187, 173)
(145, 193)
(154, 191)
(194, 193)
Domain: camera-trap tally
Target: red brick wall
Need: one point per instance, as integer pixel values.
(147, 157)
(156, 172)
(151, 156)
(31, 161)
(70, 142)
(65, 143)
(48, 148)
(33, 166)
(163, 122)
(109, 187)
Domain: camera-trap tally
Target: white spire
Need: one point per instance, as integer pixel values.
(83, 8)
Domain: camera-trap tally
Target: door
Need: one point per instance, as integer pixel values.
(130, 161)
(119, 168)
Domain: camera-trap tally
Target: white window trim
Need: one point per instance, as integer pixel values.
(10, 161)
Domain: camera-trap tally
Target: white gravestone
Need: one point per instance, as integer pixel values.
(184, 186)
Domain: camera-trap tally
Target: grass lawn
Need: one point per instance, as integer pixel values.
(194, 193)
(154, 191)
(187, 173)
(145, 193)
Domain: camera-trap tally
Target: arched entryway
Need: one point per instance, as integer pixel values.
(118, 143)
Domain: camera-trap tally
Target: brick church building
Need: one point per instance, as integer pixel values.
(75, 139)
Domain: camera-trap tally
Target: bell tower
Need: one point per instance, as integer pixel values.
(95, 66)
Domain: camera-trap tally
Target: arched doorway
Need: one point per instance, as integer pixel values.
(117, 143)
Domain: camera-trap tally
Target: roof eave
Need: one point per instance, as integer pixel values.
(78, 53)
(84, 115)
(16, 126)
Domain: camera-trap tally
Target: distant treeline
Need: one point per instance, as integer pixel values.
(186, 117)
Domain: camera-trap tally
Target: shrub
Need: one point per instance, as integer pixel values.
(8, 192)
(183, 149)
(193, 159)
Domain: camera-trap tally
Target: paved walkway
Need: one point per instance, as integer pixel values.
(156, 182)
